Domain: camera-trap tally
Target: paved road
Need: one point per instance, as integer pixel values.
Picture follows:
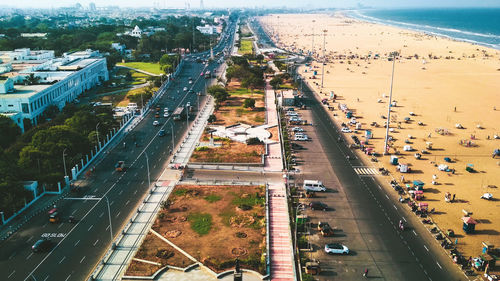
(78, 247)
(366, 217)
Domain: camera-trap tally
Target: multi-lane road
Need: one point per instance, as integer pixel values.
(78, 247)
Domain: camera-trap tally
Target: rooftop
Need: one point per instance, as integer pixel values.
(23, 91)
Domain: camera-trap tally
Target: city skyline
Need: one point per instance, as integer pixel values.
(258, 3)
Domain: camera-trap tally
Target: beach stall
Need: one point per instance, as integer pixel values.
(419, 195)
(407, 148)
(403, 167)
(358, 126)
(469, 224)
(418, 185)
(368, 134)
(443, 167)
(348, 114)
(394, 160)
(428, 145)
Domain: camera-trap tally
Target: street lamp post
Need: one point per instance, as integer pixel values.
(64, 163)
(147, 165)
(386, 150)
(97, 131)
(324, 58)
(173, 138)
(312, 44)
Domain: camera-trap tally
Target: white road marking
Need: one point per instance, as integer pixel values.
(118, 214)
(46, 277)
(414, 232)
(11, 256)
(387, 196)
(135, 175)
(90, 227)
(426, 248)
(82, 259)
(379, 187)
(395, 207)
(439, 265)
(111, 203)
(73, 212)
(60, 225)
(67, 278)
(102, 214)
(107, 227)
(128, 201)
(77, 242)
(11, 274)
(142, 182)
(404, 219)
(62, 259)
(121, 191)
(29, 239)
(135, 192)
(96, 241)
(105, 180)
(29, 256)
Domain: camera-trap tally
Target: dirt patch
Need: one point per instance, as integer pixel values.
(224, 242)
(229, 152)
(153, 249)
(274, 133)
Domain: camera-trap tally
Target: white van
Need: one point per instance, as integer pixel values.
(313, 185)
(301, 137)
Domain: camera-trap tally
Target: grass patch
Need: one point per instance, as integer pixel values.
(245, 91)
(226, 217)
(239, 112)
(259, 119)
(146, 66)
(201, 223)
(249, 199)
(180, 192)
(213, 198)
(246, 47)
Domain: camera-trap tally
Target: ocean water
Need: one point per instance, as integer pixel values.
(475, 25)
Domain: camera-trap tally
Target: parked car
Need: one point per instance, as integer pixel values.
(166, 109)
(297, 129)
(156, 123)
(41, 245)
(301, 138)
(346, 130)
(326, 230)
(316, 205)
(336, 248)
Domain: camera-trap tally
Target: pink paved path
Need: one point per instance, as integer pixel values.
(282, 264)
(272, 162)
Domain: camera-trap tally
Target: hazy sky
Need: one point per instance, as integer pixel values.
(254, 3)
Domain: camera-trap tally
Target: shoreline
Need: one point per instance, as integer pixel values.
(407, 26)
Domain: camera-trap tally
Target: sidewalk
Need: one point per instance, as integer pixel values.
(272, 161)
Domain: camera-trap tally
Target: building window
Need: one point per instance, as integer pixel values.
(10, 105)
(24, 107)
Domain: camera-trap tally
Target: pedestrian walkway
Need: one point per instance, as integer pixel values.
(272, 161)
(366, 171)
(182, 155)
(116, 260)
(281, 249)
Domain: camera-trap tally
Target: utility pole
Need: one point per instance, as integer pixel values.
(97, 132)
(64, 163)
(173, 138)
(386, 150)
(324, 58)
(312, 44)
(147, 165)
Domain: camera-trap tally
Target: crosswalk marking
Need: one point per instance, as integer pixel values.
(366, 171)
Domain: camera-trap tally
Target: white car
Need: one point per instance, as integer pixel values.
(292, 113)
(190, 81)
(297, 129)
(165, 109)
(156, 123)
(346, 130)
(301, 138)
(166, 114)
(185, 89)
(336, 248)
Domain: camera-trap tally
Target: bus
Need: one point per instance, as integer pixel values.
(178, 113)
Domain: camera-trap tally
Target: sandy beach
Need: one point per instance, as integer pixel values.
(442, 82)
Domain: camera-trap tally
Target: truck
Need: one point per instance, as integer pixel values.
(178, 113)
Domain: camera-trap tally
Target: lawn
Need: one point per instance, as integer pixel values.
(232, 222)
(121, 98)
(150, 67)
(229, 152)
(246, 47)
(119, 82)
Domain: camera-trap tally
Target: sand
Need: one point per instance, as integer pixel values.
(460, 84)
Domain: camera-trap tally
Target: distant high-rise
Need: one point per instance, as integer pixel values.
(201, 5)
(92, 6)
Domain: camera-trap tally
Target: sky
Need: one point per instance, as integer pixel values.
(253, 3)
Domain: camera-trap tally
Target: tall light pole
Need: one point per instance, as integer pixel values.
(324, 58)
(386, 150)
(147, 165)
(64, 163)
(109, 211)
(97, 132)
(173, 138)
(312, 44)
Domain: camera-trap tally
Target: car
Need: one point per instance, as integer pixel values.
(326, 231)
(41, 245)
(297, 129)
(185, 89)
(336, 248)
(355, 139)
(346, 130)
(156, 123)
(166, 109)
(301, 138)
(188, 104)
(161, 133)
(321, 224)
(292, 113)
(190, 92)
(166, 114)
(190, 81)
(316, 205)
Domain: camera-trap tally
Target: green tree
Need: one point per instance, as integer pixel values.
(276, 82)
(249, 103)
(9, 130)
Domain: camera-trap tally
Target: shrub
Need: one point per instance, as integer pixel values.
(202, 148)
(180, 191)
(245, 207)
(253, 141)
(201, 223)
(213, 198)
(249, 103)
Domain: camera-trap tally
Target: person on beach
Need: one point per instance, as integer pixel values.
(366, 273)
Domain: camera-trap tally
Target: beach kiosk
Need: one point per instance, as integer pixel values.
(469, 224)
(419, 195)
(348, 114)
(428, 145)
(418, 185)
(403, 168)
(394, 160)
(368, 134)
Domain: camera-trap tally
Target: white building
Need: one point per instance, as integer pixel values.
(207, 29)
(60, 81)
(118, 47)
(137, 32)
(26, 54)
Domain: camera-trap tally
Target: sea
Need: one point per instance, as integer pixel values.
(475, 25)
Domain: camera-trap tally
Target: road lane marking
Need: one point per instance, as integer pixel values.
(414, 232)
(426, 248)
(30, 239)
(111, 203)
(128, 201)
(105, 180)
(60, 225)
(404, 219)
(135, 192)
(11, 274)
(107, 227)
(62, 259)
(387, 196)
(135, 175)
(379, 187)
(439, 265)
(11, 256)
(118, 214)
(77, 242)
(73, 212)
(142, 182)
(44, 225)
(46, 277)
(29, 256)
(82, 259)
(67, 277)
(96, 241)
(102, 214)
(90, 227)
(395, 207)
(121, 191)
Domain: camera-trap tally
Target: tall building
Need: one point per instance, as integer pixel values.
(38, 79)
(92, 6)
